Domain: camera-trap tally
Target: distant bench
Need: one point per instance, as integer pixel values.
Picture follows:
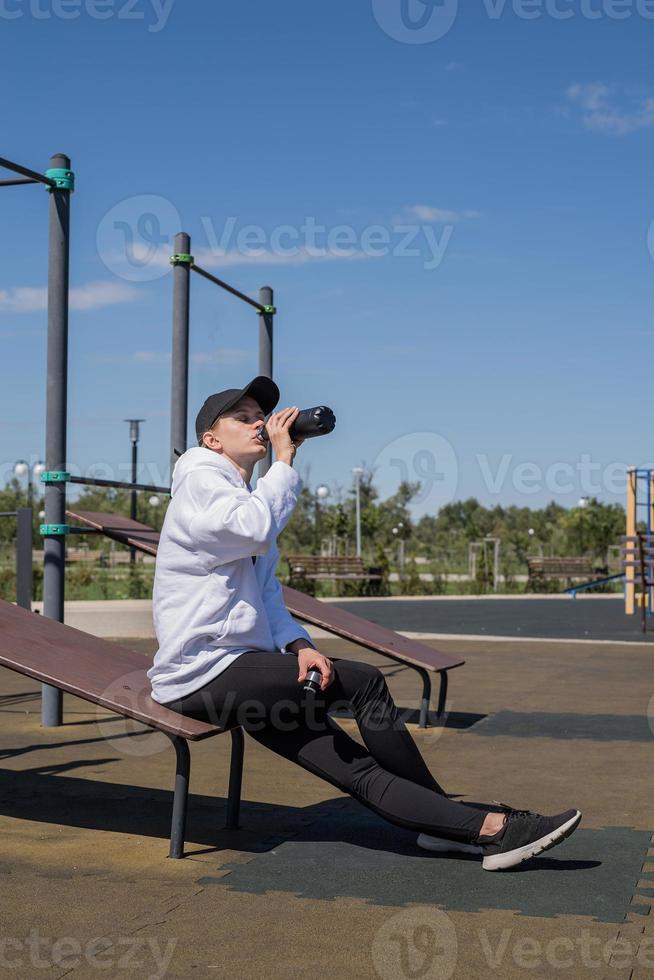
(546, 569)
(331, 568)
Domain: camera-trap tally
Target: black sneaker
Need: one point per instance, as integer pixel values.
(524, 835)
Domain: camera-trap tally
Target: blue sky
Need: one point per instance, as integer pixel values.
(509, 157)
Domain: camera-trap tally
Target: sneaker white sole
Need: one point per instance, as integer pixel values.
(442, 845)
(497, 862)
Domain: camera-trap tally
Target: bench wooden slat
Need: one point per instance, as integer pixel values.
(94, 669)
(560, 567)
(330, 567)
(324, 615)
(119, 528)
(366, 633)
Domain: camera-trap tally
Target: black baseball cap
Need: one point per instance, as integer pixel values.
(262, 389)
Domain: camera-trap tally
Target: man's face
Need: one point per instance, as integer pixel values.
(235, 432)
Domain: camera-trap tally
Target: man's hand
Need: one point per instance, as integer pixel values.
(278, 429)
(309, 658)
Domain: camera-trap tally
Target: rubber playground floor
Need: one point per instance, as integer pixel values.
(557, 617)
(315, 885)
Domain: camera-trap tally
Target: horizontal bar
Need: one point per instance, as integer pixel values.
(32, 174)
(8, 513)
(230, 289)
(89, 481)
(12, 181)
(83, 530)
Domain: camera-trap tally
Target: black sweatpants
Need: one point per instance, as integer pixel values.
(260, 692)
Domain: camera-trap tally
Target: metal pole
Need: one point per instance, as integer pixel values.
(266, 356)
(24, 557)
(134, 431)
(179, 379)
(54, 546)
(357, 477)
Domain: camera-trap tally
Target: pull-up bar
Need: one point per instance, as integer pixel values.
(230, 289)
(28, 176)
(59, 177)
(183, 264)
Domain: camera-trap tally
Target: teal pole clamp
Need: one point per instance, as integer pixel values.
(267, 310)
(182, 258)
(55, 476)
(53, 530)
(64, 179)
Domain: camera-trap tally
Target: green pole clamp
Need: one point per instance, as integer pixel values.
(64, 179)
(268, 310)
(181, 258)
(55, 476)
(53, 529)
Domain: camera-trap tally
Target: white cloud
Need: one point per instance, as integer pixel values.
(601, 109)
(91, 296)
(216, 258)
(221, 355)
(15, 334)
(426, 213)
(96, 294)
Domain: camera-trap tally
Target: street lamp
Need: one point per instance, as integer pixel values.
(358, 473)
(23, 468)
(322, 492)
(398, 532)
(582, 504)
(134, 432)
(531, 532)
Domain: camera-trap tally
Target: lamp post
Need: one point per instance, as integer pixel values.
(23, 468)
(321, 493)
(134, 432)
(582, 503)
(398, 531)
(357, 472)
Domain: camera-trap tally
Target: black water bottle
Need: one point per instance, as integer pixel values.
(311, 422)
(312, 681)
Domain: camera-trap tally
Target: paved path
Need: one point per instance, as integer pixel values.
(574, 619)
(313, 884)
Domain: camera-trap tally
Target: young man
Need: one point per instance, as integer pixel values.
(230, 652)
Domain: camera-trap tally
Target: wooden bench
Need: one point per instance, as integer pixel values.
(421, 658)
(331, 568)
(115, 678)
(542, 569)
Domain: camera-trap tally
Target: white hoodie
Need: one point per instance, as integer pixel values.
(211, 602)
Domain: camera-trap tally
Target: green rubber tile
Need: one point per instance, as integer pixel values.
(544, 724)
(354, 853)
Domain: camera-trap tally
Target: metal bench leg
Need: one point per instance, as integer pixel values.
(180, 798)
(235, 778)
(442, 694)
(423, 720)
(426, 695)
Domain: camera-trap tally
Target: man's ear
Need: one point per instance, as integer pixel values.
(211, 441)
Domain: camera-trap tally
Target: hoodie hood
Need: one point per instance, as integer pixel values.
(201, 458)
